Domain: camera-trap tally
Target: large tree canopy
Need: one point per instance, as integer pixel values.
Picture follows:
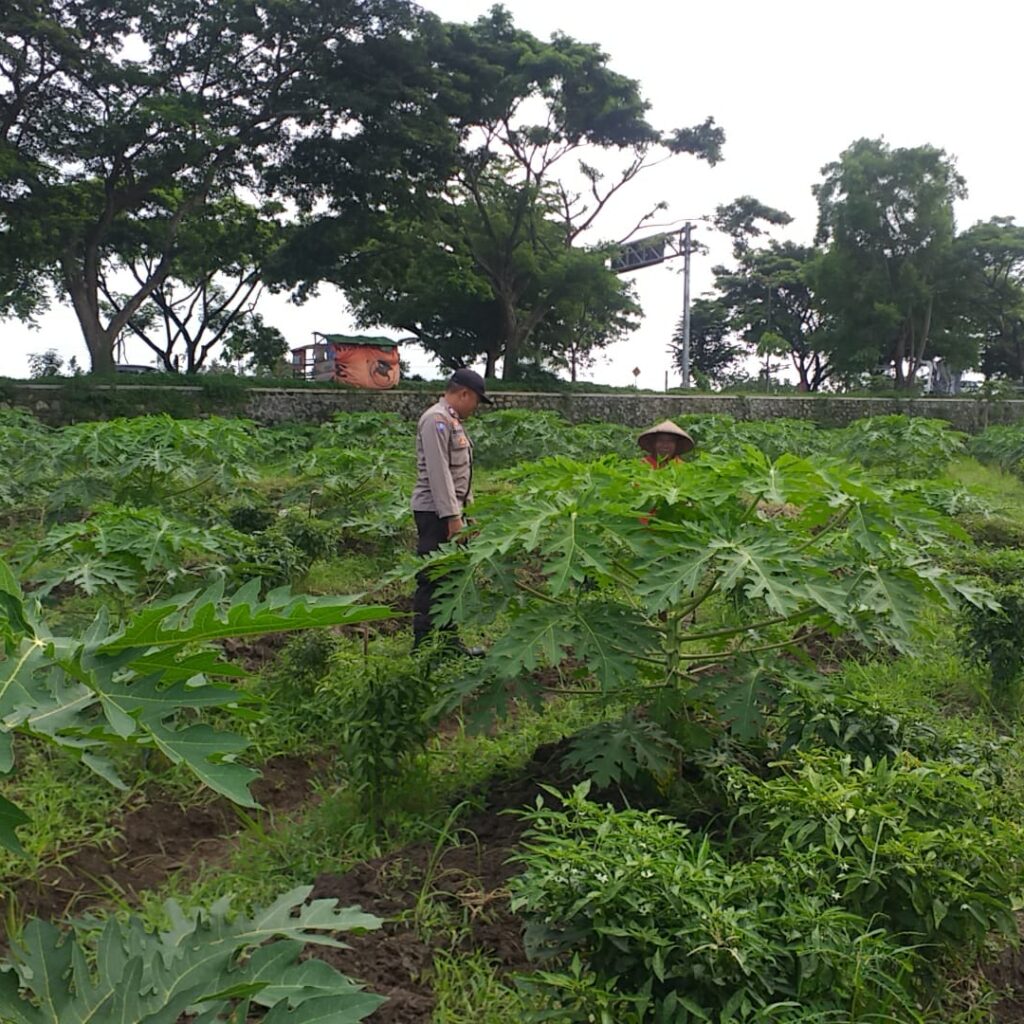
(501, 244)
(120, 119)
(888, 274)
(773, 308)
(991, 258)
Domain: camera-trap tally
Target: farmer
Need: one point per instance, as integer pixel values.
(444, 481)
(665, 443)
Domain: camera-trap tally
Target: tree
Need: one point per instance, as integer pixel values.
(587, 322)
(713, 349)
(211, 288)
(505, 234)
(992, 261)
(255, 345)
(774, 309)
(119, 117)
(740, 220)
(887, 276)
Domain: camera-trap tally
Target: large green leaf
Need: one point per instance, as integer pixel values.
(141, 977)
(10, 818)
(132, 684)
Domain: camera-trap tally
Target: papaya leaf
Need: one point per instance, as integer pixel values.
(10, 818)
(131, 683)
(142, 977)
(610, 752)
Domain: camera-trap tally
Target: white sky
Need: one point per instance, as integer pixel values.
(793, 83)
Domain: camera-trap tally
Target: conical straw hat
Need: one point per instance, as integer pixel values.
(684, 442)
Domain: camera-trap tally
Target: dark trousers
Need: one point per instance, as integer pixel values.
(431, 533)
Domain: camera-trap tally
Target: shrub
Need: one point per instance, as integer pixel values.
(994, 637)
(993, 530)
(921, 847)
(387, 721)
(665, 929)
(899, 445)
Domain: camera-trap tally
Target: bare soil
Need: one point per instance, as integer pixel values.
(469, 878)
(157, 839)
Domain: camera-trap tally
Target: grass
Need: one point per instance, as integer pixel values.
(1004, 490)
(470, 990)
(67, 803)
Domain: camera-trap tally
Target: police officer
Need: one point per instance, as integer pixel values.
(444, 485)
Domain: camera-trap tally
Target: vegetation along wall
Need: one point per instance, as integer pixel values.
(59, 404)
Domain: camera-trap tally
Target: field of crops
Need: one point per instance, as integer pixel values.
(746, 745)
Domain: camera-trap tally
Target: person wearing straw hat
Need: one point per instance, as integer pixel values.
(665, 443)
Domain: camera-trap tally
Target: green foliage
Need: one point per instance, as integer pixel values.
(903, 446)
(250, 515)
(387, 717)
(815, 716)
(305, 663)
(662, 928)
(992, 253)
(128, 550)
(127, 161)
(922, 847)
(994, 637)
(994, 529)
(1002, 447)
(719, 434)
(507, 437)
(565, 564)
(208, 963)
(145, 461)
(136, 683)
(1003, 566)
(888, 278)
(284, 551)
(358, 473)
(492, 265)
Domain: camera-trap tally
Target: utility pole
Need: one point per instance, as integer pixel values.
(687, 228)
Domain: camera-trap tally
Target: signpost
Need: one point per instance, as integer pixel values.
(649, 252)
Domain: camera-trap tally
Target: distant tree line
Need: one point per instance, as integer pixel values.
(162, 165)
(888, 288)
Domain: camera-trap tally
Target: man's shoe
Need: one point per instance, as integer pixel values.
(458, 647)
(446, 644)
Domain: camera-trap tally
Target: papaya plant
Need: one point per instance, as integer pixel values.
(134, 683)
(128, 550)
(605, 566)
(215, 966)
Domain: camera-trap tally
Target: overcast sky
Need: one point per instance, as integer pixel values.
(793, 83)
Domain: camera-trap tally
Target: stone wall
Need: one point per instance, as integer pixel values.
(59, 404)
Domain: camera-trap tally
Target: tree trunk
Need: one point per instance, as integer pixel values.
(98, 341)
(510, 340)
(101, 351)
(492, 360)
(917, 352)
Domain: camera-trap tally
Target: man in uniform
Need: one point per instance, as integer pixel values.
(444, 483)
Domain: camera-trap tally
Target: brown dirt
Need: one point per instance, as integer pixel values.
(159, 838)
(469, 878)
(1007, 975)
(253, 653)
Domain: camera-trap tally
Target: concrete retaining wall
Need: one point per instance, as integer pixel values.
(59, 404)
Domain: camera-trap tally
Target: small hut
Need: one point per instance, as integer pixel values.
(360, 361)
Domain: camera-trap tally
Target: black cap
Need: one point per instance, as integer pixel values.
(467, 378)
